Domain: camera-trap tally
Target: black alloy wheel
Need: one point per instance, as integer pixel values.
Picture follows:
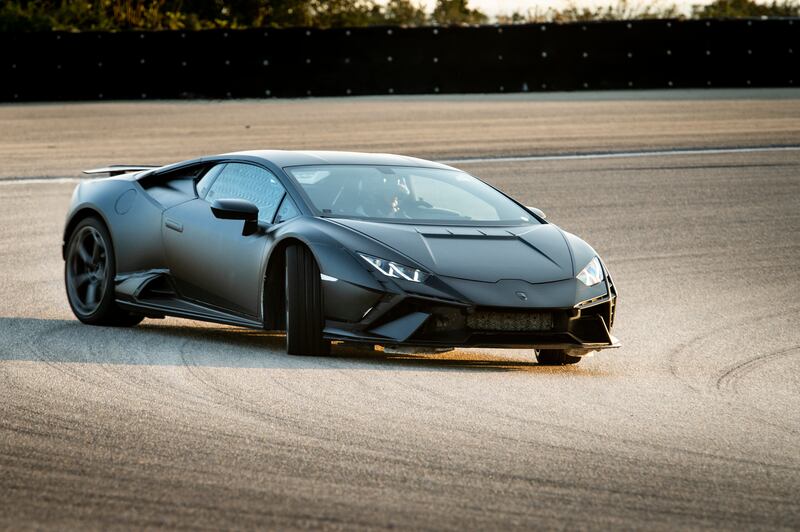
(89, 275)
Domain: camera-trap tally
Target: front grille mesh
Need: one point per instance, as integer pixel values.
(510, 321)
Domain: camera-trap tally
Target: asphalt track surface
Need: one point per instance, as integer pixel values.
(693, 424)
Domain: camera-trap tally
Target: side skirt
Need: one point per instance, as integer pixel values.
(186, 309)
(152, 293)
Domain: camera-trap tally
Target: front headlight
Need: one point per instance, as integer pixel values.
(393, 269)
(592, 273)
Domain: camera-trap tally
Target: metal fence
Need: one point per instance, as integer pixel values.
(302, 62)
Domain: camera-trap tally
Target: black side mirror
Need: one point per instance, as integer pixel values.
(538, 212)
(237, 209)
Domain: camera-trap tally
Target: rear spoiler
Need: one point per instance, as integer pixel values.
(118, 169)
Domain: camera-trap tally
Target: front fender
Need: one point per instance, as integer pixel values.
(334, 249)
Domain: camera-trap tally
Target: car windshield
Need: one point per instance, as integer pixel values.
(406, 194)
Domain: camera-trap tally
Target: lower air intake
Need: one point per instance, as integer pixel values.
(510, 321)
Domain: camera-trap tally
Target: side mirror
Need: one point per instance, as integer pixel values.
(538, 212)
(237, 209)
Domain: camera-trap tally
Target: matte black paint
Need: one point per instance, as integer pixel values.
(177, 256)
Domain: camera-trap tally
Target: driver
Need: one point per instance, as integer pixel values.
(383, 196)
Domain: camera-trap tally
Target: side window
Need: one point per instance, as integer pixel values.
(251, 183)
(287, 211)
(205, 181)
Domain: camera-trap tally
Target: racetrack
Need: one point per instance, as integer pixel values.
(693, 423)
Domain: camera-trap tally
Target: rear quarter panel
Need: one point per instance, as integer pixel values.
(132, 217)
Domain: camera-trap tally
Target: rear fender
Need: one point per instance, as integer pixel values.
(133, 220)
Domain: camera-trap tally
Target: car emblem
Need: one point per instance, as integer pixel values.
(522, 295)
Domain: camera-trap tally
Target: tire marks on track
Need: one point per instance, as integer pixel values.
(730, 377)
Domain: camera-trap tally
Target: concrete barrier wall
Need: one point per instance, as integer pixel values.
(391, 60)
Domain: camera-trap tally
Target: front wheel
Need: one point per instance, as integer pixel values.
(555, 357)
(89, 277)
(305, 317)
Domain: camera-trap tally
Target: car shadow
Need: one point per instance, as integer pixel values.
(186, 343)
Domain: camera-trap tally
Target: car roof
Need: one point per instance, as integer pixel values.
(285, 158)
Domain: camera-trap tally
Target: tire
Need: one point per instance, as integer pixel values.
(89, 271)
(305, 318)
(555, 357)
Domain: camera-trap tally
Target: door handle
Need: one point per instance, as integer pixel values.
(172, 224)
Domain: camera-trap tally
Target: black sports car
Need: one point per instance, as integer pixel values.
(378, 249)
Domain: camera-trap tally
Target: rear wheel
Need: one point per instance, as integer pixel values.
(555, 357)
(305, 317)
(89, 273)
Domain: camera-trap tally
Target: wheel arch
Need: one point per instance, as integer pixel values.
(329, 252)
(274, 299)
(87, 211)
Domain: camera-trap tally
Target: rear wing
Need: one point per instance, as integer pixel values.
(118, 169)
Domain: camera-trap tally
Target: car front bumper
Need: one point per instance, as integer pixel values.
(459, 313)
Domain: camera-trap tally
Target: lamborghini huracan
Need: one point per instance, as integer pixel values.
(376, 249)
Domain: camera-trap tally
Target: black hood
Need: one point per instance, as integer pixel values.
(532, 253)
